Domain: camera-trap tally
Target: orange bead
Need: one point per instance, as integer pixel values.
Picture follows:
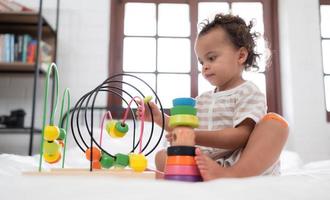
(96, 164)
(96, 154)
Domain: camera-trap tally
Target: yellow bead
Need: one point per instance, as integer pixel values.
(51, 148)
(147, 99)
(112, 131)
(184, 120)
(51, 133)
(138, 162)
(52, 158)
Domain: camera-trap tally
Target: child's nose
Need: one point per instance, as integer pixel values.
(206, 67)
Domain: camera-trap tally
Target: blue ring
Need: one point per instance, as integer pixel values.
(185, 101)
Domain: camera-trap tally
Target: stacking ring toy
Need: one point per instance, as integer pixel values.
(184, 120)
(180, 160)
(181, 150)
(185, 110)
(184, 102)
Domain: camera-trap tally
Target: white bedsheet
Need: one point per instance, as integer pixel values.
(311, 181)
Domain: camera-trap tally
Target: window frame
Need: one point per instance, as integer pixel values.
(272, 72)
(324, 2)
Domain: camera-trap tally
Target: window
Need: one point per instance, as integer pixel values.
(154, 40)
(325, 41)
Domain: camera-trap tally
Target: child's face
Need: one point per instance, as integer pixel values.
(222, 62)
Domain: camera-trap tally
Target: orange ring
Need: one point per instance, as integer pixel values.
(274, 116)
(180, 160)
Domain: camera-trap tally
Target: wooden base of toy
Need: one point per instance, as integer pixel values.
(122, 173)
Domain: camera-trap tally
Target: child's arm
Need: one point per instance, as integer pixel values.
(229, 138)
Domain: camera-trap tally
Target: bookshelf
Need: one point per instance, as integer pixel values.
(30, 23)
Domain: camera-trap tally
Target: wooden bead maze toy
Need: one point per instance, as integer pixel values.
(101, 157)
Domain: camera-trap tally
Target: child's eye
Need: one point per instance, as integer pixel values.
(212, 58)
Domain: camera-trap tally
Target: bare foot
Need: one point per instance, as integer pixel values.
(209, 168)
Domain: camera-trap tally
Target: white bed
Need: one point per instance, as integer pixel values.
(311, 181)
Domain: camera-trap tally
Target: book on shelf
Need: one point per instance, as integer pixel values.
(23, 49)
(12, 6)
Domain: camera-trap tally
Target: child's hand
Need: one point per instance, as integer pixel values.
(170, 137)
(147, 114)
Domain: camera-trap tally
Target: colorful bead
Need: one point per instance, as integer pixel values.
(184, 102)
(52, 158)
(138, 162)
(51, 148)
(107, 161)
(147, 99)
(121, 160)
(51, 133)
(96, 164)
(62, 134)
(96, 154)
(122, 128)
(112, 131)
(184, 120)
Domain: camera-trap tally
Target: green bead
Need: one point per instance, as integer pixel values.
(51, 148)
(107, 161)
(122, 160)
(123, 128)
(183, 110)
(62, 134)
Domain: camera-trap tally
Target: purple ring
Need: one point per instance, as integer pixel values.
(186, 178)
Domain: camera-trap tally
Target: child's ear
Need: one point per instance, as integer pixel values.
(242, 56)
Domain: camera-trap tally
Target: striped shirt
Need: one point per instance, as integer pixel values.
(227, 109)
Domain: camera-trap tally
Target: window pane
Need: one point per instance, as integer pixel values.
(140, 19)
(327, 91)
(173, 55)
(139, 54)
(325, 21)
(203, 85)
(168, 87)
(173, 20)
(325, 55)
(261, 48)
(256, 78)
(143, 88)
(249, 11)
(208, 10)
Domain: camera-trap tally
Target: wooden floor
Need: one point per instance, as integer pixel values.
(124, 173)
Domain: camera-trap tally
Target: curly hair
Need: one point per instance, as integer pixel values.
(239, 34)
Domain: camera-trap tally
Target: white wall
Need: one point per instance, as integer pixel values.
(302, 79)
(82, 62)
